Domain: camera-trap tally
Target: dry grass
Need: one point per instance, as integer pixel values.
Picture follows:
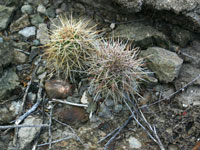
(116, 70)
(71, 44)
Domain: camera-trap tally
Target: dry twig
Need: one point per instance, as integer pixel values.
(69, 103)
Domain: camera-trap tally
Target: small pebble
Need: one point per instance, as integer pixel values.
(27, 9)
(41, 9)
(112, 26)
(36, 42)
(1, 40)
(134, 143)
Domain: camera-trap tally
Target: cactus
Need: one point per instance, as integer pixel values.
(68, 51)
(116, 70)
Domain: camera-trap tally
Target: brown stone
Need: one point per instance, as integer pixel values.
(58, 89)
(71, 115)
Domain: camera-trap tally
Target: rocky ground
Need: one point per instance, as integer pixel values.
(167, 30)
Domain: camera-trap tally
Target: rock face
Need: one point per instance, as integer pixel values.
(141, 35)
(182, 12)
(187, 9)
(27, 135)
(164, 63)
(5, 16)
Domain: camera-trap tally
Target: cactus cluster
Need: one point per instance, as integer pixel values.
(112, 66)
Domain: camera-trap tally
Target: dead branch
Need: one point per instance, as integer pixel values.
(20, 126)
(50, 123)
(33, 108)
(69, 103)
(56, 141)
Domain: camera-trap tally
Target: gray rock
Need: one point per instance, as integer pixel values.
(31, 97)
(5, 16)
(134, 143)
(36, 19)
(36, 42)
(42, 33)
(19, 57)
(186, 75)
(27, 135)
(8, 82)
(118, 108)
(20, 23)
(28, 31)
(42, 9)
(191, 54)
(166, 90)
(27, 9)
(173, 147)
(6, 53)
(164, 63)
(79, 8)
(104, 112)
(180, 36)
(141, 35)
(57, 2)
(51, 12)
(130, 6)
(191, 96)
(9, 112)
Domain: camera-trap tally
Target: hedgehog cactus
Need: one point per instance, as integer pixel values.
(70, 46)
(116, 70)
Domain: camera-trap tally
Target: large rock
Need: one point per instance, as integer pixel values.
(5, 16)
(164, 63)
(27, 135)
(8, 82)
(141, 35)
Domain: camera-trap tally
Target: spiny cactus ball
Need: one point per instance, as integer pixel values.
(116, 71)
(70, 45)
